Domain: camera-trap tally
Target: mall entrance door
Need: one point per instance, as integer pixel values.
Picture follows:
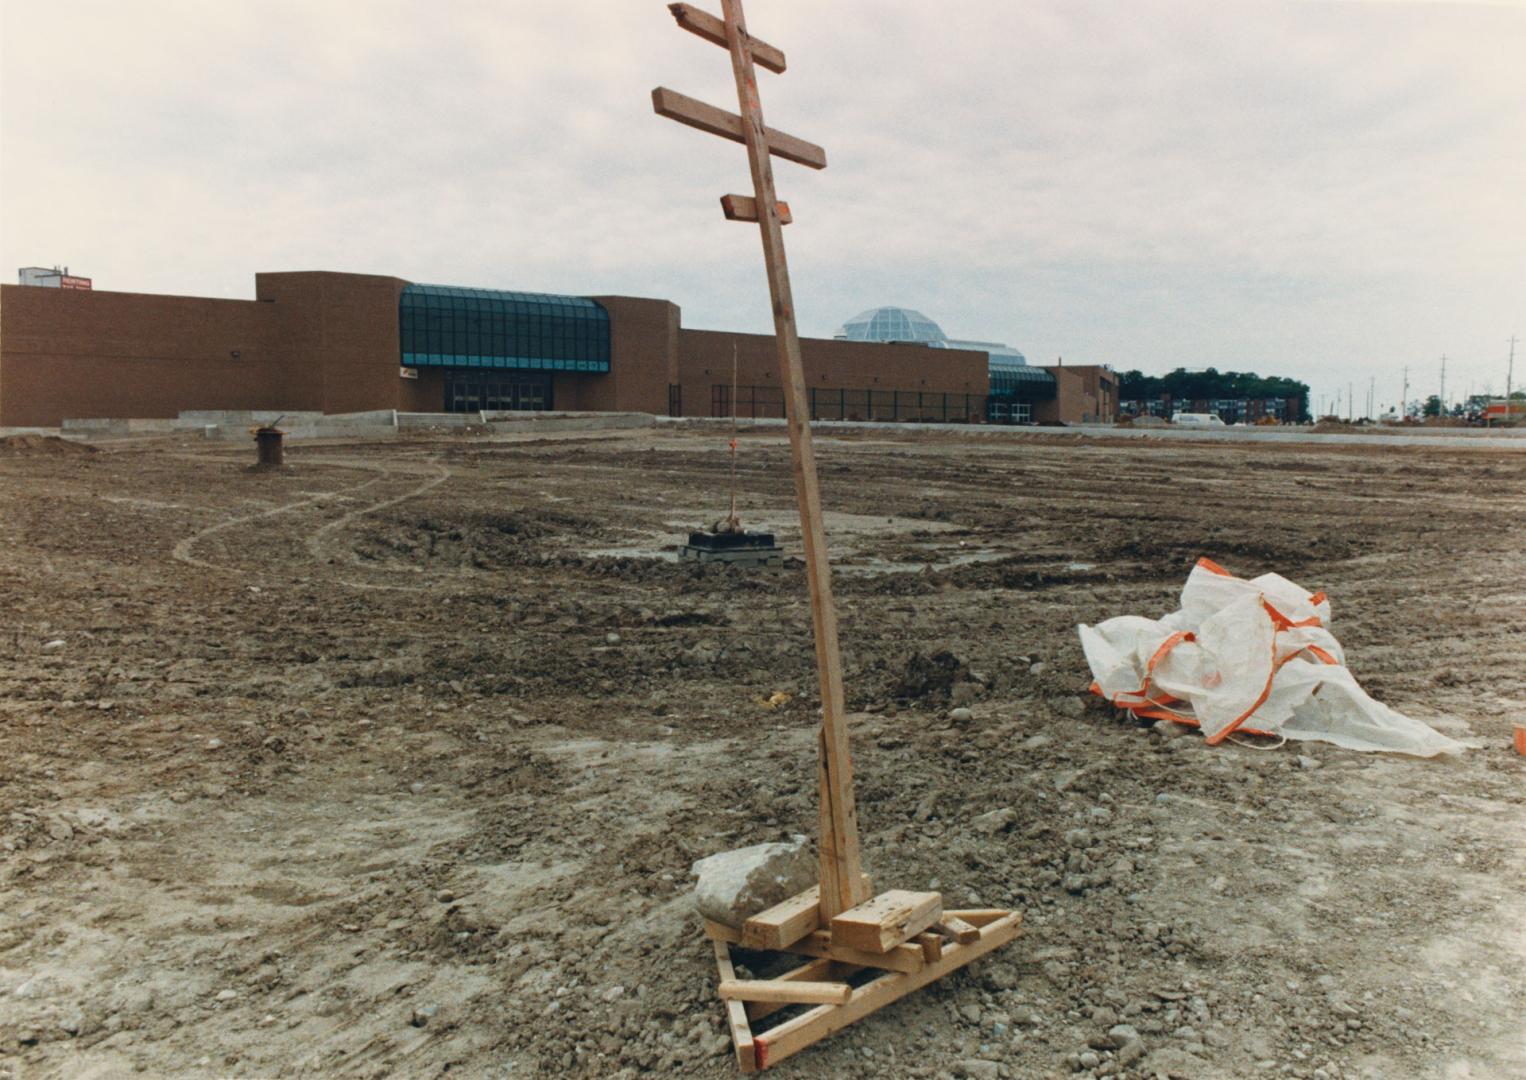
(489, 390)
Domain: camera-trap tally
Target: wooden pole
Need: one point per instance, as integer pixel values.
(841, 870)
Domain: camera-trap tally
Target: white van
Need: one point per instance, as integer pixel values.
(1197, 419)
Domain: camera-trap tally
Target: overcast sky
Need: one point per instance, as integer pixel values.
(1328, 191)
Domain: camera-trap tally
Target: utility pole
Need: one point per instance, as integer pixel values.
(1404, 397)
(1441, 407)
(1350, 400)
(1372, 389)
(1509, 374)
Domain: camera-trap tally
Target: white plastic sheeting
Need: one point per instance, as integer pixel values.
(1248, 656)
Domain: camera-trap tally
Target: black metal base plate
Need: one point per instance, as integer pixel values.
(708, 541)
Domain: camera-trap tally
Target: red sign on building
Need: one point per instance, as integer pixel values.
(66, 281)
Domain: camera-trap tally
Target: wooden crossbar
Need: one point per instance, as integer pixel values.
(707, 118)
(745, 208)
(707, 26)
(786, 991)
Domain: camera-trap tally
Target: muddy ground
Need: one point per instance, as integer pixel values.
(393, 763)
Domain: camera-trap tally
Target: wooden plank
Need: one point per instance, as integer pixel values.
(900, 958)
(887, 920)
(794, 1035)
(736, 1014)
(705, 25)
(932, 947)
(721, 932)
(707, 118)
(955, 927)
(787, 921)
(978, 916)
(788, 991)
(811, 971)
(745, 208)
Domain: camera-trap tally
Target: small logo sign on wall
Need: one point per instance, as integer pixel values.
(407, 373)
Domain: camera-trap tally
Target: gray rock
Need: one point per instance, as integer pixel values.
(422, 1014)
(1131, 1051)
(716, 1045)
(735, 885)
(1180, 1065)
(1088, 1059)
(994, 822)
(971, 1013)
(1071, 707)
(1306, 762)
(1120, 1034)
(980, 1069)
(961, 715)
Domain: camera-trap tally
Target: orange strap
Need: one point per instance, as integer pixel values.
(1160, 654)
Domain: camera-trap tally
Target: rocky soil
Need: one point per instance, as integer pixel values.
(394, 762)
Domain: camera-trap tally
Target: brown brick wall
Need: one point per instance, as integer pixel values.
(344, 329)
(704, 360)
(1087, 393)
(68, 353)
(311, 341)
(643, 344)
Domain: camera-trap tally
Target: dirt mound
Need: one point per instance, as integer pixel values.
(929, 678)
(37, 445)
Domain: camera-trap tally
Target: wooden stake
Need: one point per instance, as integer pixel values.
(786, 991)
(841, 866)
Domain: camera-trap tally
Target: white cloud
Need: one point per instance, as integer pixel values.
(1316, 189)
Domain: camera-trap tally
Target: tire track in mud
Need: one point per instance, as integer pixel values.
(184, 549)
(317, 539)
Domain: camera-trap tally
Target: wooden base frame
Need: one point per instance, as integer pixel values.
(938, 952)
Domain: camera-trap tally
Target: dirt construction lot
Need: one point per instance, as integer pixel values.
(393, 763)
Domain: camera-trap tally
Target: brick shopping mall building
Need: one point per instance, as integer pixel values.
(337, 343)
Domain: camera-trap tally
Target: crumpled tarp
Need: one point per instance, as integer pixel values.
(1250, 656)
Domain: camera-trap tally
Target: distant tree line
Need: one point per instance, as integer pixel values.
(1210, 383)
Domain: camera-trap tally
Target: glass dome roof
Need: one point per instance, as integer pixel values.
(892, 324)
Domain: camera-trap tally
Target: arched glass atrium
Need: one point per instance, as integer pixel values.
(445, 326)
(892, 324)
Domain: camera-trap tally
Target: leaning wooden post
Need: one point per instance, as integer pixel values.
(906, 935)
(842, 885)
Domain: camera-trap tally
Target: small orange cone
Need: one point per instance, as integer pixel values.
(1520, 739)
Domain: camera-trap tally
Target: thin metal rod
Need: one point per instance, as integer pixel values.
(841, 871)
(732, 521)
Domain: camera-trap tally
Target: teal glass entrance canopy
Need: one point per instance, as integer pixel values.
(446, 326)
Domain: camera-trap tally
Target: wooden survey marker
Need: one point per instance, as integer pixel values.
(897, 943)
